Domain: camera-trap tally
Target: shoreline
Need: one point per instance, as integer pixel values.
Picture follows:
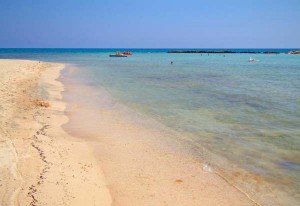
(153, 172)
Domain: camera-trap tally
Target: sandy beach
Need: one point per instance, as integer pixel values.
(107, 159)
(40, 164)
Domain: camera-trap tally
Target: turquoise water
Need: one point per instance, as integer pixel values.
(246, 113)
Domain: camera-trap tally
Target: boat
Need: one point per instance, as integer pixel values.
(117, 54)
(127, 53)
(252, 60)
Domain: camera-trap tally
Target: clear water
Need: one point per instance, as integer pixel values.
(246, 113)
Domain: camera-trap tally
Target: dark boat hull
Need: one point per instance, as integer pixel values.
(113, 55)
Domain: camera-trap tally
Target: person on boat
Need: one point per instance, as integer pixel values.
(251, 60)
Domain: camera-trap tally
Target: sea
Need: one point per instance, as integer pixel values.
(246, 115)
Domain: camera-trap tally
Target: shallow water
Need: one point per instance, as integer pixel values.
(247, 115)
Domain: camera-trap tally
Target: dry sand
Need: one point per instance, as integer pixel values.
(40, 164)
(113, 162)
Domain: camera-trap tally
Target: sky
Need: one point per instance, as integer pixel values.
(149, 24)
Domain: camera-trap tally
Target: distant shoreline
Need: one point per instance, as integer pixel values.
(230, 52)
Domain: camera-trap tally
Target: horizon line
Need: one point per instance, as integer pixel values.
(149, 48)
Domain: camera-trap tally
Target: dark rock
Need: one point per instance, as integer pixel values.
(294, 52)
(271, 52)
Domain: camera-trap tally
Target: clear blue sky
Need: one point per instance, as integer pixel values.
(150, 24)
